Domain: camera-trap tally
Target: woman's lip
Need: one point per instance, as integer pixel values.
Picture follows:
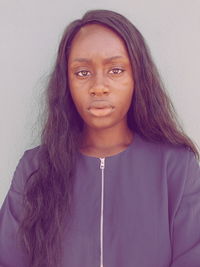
(100, 104)
(101, 112)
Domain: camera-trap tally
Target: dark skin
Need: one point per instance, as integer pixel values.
(102, 85)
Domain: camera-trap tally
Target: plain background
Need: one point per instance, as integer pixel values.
(30, 32)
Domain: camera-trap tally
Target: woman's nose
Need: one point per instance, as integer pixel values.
(99, 85)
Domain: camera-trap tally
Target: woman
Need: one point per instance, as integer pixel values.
(115, 181)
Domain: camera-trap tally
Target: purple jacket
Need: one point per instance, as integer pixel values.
(138, 208)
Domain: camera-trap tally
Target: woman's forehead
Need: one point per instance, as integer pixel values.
(95, 30)
(97, 39)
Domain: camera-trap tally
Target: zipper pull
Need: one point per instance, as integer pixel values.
(102, 164)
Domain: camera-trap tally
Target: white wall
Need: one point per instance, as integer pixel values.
(30, 32)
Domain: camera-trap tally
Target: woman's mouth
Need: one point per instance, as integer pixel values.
(100, 108)
(100, 112)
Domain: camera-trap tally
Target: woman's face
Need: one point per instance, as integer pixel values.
(100, 76)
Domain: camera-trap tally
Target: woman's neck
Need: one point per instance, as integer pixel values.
(105, 142)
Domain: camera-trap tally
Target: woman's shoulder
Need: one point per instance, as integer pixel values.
(176, 165)
(31, 155)
(27, 164)
(164, 150)
(30, 159)
(166, 156)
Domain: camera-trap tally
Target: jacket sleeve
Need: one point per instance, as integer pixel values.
(186, 228)
(11, 255)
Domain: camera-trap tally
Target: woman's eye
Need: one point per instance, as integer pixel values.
(82, 73)
(86, 73)
(117, 71)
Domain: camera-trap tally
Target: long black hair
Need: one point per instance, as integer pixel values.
(48, 190)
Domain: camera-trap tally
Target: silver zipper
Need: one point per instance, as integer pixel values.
(102, 166)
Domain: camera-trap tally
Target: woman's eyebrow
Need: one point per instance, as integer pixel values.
(89, 60)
